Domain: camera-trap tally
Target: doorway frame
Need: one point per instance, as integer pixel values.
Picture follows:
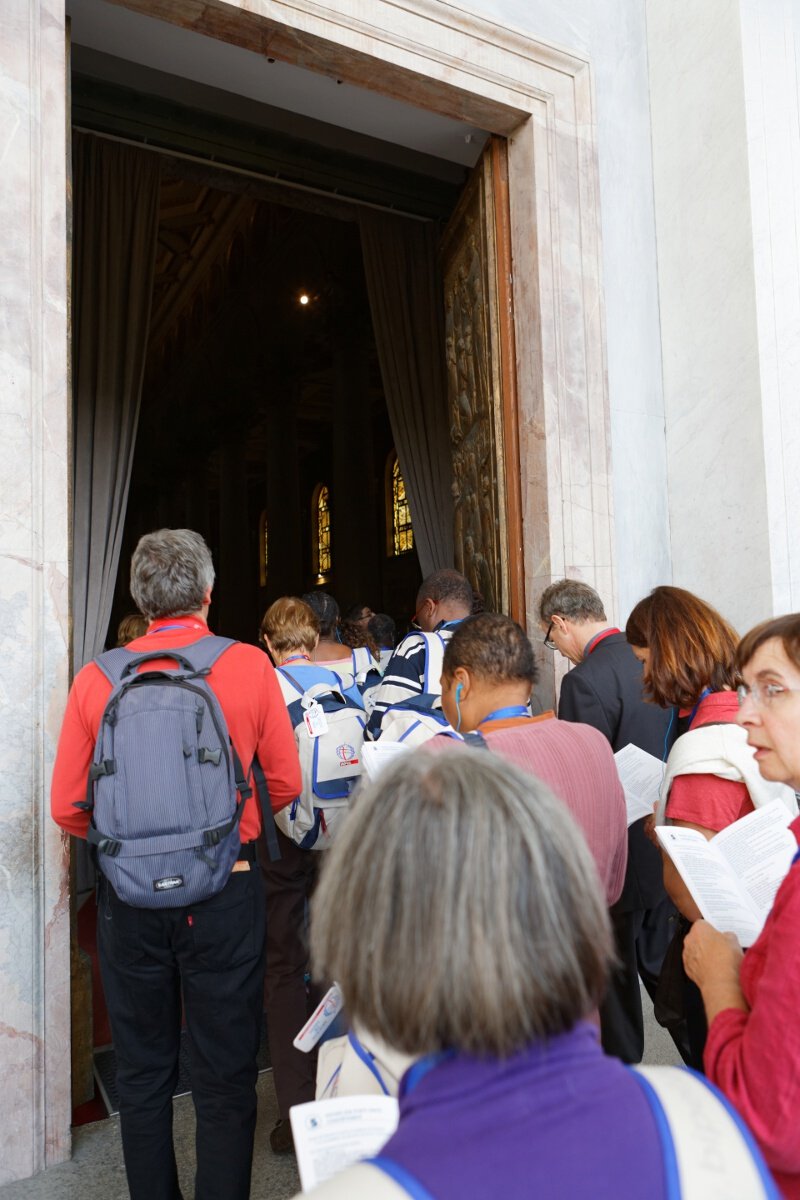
(438, 56)
(441, 57)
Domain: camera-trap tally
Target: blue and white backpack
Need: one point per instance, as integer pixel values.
(417, 719)
(367, 674)
(166, 788)
(329, 732)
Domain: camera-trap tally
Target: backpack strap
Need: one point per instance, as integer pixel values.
(363, 664)
(399, 1175)
(136, 847)
(268, 826)
(434, 661)
(324, 683)
(197, 658)
(708, 1149)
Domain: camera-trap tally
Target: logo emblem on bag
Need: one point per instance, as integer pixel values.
(346, 755)
(168, 883)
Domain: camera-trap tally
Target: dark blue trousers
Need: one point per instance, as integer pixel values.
(207, 959)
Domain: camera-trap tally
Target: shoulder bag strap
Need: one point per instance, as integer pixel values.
(708, 1150)
(268, 827)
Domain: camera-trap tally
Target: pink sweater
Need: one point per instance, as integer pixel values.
(576, 763)
(754, 1058)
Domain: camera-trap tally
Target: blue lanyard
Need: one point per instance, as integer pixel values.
(705, 692)
(796, 858)
(418, 1070)
(503, 714)
(164, 628)
(367, 1058)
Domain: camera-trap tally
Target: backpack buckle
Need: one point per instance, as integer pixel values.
(205, 755)
(211, 837)
(107, 767)
(109, 846)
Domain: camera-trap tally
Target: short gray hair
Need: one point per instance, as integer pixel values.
(171, 573)
(460, 907)
(571, 599)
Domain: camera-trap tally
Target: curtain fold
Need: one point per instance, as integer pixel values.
(115, 227)
(406, 304)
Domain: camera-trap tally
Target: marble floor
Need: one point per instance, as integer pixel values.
(96, 1171)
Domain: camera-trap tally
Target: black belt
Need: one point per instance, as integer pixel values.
(247, 853)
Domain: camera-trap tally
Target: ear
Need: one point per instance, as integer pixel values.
(461, 676)
(207, 598)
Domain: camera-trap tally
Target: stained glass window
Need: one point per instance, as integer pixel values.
(323, 530)
(402, 535)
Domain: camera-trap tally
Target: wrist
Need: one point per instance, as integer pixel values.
(719, 994)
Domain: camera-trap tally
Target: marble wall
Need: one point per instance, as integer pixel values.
(34, 913)
(612, 35)
(771, 62)
(724, 103)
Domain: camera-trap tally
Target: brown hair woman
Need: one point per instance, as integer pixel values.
(688, 652)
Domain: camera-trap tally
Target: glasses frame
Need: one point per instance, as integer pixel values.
(548, 641)
(760, 695)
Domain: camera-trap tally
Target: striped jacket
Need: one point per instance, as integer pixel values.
(404, 677)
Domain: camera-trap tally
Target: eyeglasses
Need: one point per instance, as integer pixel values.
(762, 694)
(548, 641)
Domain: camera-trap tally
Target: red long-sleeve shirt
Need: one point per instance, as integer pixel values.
(244, 682)
(754, 1058)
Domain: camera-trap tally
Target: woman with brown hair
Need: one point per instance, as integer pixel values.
(688, 652)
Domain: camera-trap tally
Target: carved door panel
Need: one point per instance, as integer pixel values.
(479, 341)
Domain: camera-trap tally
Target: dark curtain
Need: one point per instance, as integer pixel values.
(405, 299)
(115, 226)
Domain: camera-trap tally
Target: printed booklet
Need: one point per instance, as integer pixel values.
(733, 877)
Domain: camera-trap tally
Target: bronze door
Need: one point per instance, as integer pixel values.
(481, 387)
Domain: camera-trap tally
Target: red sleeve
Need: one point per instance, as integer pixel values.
(754, 1058)
(85, 705)
(707, 800)
(277, 750)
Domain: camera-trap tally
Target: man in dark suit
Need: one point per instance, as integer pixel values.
(604, 689)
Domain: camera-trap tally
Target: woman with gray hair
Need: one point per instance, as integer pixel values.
(461, 915)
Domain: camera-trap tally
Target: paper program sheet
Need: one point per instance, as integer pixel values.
(640, 774)
(734, 877)
(376, 756)
(330, 1135)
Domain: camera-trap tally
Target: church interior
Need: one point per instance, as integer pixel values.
(263, 421)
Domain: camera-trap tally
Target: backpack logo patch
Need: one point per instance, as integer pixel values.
(346, 755)
(168, 883)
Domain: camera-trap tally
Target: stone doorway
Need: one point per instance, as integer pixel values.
(442, 60)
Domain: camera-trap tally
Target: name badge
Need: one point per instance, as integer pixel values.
(316, 721)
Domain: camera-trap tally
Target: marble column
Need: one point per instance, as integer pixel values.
(34, 911)
(725, 105)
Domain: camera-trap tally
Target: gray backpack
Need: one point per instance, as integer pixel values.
(165, 782)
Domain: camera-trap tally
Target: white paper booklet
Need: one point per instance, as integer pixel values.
(330, 1135)
(640, 775)
(377, 756)
(734, 877)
